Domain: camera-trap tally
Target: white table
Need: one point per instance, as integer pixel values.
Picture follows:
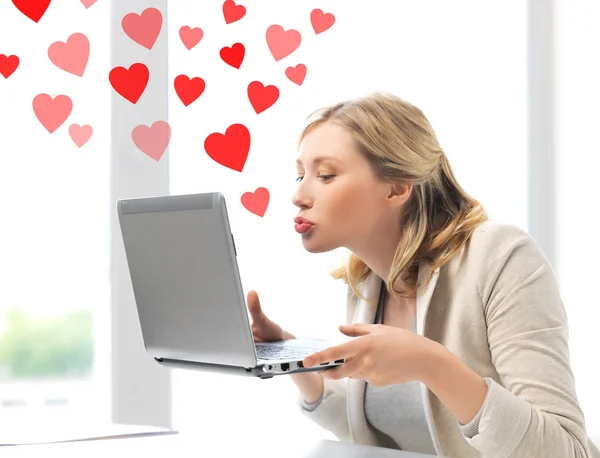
(181, 446)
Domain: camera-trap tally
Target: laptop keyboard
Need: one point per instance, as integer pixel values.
(270, 352)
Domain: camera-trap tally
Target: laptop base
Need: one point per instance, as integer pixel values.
(229, 370)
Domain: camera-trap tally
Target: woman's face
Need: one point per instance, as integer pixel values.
(339, 193)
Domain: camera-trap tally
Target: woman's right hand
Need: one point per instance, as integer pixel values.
(310, 384)
(263, 329)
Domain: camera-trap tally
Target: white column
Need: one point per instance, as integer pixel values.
(141, 389)
(541, 115)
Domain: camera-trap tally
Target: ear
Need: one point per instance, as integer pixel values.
(400, 193)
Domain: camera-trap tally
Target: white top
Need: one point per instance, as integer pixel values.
(396, 411)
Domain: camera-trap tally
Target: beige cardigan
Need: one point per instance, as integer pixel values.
(495, 305)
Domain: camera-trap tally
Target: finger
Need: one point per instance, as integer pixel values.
(254, 305)
(331, 354)
(348, 369)
(357, 329)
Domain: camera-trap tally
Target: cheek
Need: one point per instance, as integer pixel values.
(354, 204)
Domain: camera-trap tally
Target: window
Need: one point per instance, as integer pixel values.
(578, 163)
(455, 61)
(54, 236)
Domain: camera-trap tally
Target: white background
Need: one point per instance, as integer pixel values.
(463, 63)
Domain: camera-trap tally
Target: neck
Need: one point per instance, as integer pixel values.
(377, 251)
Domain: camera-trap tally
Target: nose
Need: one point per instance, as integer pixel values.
(299, 199)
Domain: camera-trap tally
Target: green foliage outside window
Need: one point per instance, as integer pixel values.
(33, 346)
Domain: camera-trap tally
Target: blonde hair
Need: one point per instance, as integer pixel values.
(400, 145)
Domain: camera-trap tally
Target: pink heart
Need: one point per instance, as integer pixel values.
(257, 201)
(282, 43)
(87, 3)
(321, 21)
(190, 37)
(296, 74)
(80, 134)
(71, 56)
(52, 113)
(145, 28)
(154, 140)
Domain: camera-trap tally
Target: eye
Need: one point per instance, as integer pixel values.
(326, 177)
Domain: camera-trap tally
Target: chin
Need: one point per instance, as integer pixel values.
(316, 248)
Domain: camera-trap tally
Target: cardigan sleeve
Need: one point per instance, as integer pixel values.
(330, 411)
(534, 411)
(310, 406)
(472, 428)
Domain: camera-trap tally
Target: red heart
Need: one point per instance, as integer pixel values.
(321, 21)
(282, 43)
(256, 202)
(8, 65)
(231, 149)
(144, 29)
(262, 97)
(130, 83)
(33, 9)
(296, 74)
(234, 55)
(233, 12)
(188, 89)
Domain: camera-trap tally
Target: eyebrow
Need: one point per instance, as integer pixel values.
(319, 159)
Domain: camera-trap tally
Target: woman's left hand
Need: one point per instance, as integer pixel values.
(381, 355)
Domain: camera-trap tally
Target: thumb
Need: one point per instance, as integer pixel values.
(356, 329)
(254, 305)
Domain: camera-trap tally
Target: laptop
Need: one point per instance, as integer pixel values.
(192, 311)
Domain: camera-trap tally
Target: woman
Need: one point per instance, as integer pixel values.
(460, 341)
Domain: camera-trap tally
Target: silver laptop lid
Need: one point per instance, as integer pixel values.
(185, 278)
